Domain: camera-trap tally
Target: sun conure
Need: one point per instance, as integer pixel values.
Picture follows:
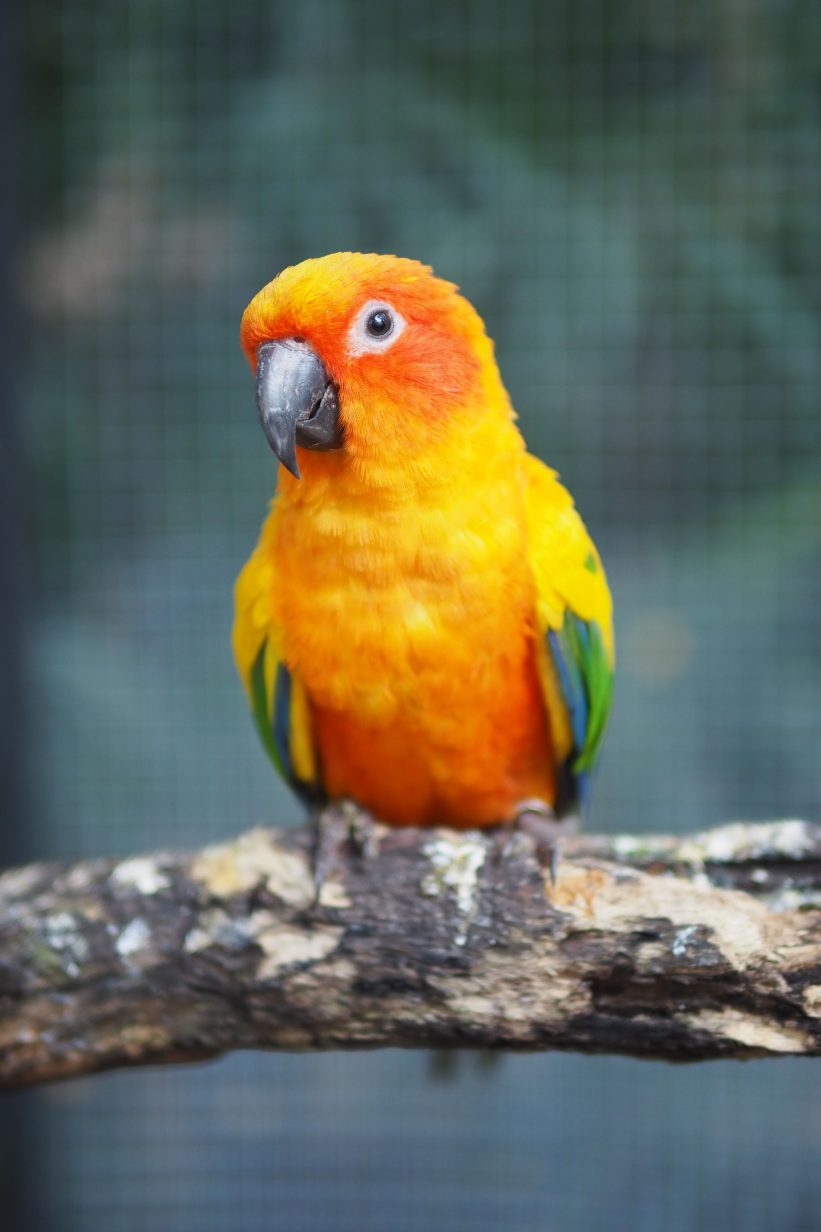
(424, 627)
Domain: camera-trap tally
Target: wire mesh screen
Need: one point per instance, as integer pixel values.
(629, 195)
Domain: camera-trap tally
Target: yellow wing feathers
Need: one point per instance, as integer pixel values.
(278, 700)
(253, 624)
(575, 628)
(566, 565)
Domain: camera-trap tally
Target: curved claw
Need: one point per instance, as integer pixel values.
(537, 821)
(341, 829)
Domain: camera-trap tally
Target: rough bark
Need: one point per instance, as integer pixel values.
(678, 949)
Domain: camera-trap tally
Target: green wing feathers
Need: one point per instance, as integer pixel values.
(278, 701)
(283, 720)
(585, 677)
(574, 622)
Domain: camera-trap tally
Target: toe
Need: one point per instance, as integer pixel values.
(537, 820)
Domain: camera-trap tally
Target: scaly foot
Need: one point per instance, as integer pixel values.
(342, 828)
(536, 821)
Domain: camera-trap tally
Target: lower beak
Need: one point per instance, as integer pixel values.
(297, 400)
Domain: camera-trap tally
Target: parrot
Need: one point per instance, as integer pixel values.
(424, 628)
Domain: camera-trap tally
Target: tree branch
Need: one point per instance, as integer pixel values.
(678, 949)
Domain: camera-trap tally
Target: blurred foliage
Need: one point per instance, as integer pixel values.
(629, 193)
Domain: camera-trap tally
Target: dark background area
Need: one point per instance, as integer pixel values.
(630, 196)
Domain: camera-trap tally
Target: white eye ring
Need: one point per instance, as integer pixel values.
(377, 326)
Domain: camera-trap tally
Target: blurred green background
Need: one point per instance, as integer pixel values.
(631, 196)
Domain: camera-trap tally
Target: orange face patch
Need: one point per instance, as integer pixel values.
(431, 368)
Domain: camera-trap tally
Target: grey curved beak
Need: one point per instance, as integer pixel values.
(297, 400)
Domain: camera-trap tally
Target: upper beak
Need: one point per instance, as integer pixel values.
(297, 400)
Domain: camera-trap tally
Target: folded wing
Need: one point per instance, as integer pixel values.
(575, 632)
(278, 701)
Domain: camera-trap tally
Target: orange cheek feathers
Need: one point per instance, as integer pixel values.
(397, 399)
(426, 377)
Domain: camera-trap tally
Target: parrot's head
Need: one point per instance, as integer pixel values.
(367, 356)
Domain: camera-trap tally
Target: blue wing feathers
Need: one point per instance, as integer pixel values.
(586, 680)
(282, 720)
(274, 718)
(572, 687)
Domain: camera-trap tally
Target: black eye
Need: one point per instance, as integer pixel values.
(379, 323)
